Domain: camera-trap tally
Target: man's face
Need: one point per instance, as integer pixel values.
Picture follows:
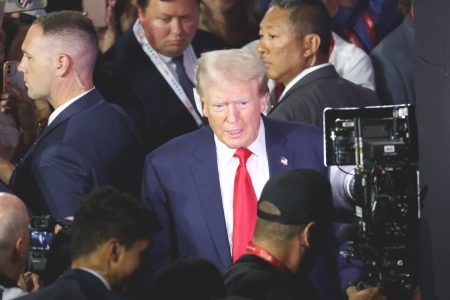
(170, 26)
(129, 261)
(36, 63)
(233, 110)
(279, 47)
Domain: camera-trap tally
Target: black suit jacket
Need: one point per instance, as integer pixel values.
(126, 75)
(322, 88)
(75, 284)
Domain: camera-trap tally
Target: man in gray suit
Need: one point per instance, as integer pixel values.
(295, 45)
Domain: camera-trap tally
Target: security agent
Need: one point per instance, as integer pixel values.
(295, 212)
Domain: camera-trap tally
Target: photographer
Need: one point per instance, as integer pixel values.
(110, 232)
(14, 242)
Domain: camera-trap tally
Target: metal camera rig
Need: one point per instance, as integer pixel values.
(381, 142)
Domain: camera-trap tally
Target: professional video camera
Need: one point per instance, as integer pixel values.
(381, 144)
(48, 256)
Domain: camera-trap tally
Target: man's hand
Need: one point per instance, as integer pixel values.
(30, 282)
(16, 101)
(372, 293)
(6, 170)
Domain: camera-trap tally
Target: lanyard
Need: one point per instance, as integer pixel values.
(165, 71)
(266, 256)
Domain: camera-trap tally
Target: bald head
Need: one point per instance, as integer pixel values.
(13, 220)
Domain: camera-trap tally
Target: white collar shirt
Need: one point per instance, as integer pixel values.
(257, 166)
(188, 66)
(62, 107)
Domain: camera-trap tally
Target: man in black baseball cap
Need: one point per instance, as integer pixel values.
(295, 212)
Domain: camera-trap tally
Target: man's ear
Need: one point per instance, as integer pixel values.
(307, 235)
(113, 249)
(264, 102)
(19, 247)
(199, 104)
(141, 14)
(311, 43)
(63, 63)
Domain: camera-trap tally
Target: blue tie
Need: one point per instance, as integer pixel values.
(184, 80)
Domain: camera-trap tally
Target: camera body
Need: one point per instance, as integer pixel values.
(42, 233)
(381, 143)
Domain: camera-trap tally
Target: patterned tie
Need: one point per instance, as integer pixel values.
(184, 80)
(244, 205)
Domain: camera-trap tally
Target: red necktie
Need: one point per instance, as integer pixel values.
(244, 205)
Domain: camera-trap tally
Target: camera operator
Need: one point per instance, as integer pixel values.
(294, 222)
(14, 242)
(110, 232)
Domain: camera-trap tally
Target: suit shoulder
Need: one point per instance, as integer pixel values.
(204, 41)
(298, 128)
(178, 147)
(126, 52)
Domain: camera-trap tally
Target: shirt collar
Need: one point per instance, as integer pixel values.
(300, 76)
(96, 274)
(258, 147)
(62, 107)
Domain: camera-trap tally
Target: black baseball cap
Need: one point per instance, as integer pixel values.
(301, 195)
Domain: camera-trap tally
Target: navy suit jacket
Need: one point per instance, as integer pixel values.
(75, 284)
(125, 75)
(181, 182)
(91, 143)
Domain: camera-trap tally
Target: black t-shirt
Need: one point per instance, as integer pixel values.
(255, 278)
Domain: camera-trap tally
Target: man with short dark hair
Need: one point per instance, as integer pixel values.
(294, 44)
(150, 69)
(294, 221)
(110, 232)
(88, 142)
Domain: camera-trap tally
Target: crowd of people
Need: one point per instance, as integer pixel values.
(184, 139)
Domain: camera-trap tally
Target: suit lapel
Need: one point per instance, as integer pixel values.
(206, 177)
(279, 156)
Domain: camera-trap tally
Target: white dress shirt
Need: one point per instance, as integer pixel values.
(352, 63)
(62, 107)
(188, 66)
(257, 166)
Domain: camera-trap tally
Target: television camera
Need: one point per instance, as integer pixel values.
(380, 143)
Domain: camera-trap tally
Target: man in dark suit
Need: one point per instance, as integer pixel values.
(298, 58)
(150, 69)
(393, 61)
(110, 232)
(191, 183)
(88, 142)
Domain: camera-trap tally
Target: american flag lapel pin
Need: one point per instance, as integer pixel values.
(284, 161)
